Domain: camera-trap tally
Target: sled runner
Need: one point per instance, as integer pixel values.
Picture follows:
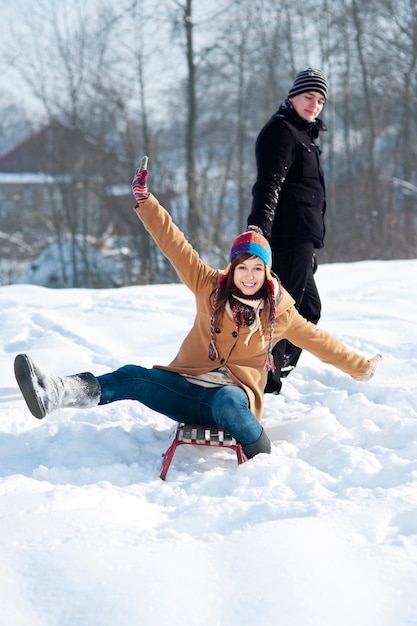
(200, 436)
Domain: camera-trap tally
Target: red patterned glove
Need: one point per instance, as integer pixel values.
(140, 182)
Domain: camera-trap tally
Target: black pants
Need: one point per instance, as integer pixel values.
(294, 262)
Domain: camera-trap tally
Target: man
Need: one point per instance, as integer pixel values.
(289, 202)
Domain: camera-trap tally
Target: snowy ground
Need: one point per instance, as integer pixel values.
(323, 532)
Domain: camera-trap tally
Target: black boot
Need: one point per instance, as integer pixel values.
(262, 444)
(44, 394)
(273, 384)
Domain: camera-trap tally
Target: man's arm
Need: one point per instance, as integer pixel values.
(274, 152)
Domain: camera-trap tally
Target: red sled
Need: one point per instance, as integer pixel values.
(201, 436)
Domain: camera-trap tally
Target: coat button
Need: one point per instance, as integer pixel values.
(234, 333)
(217, 330)
(222, 361)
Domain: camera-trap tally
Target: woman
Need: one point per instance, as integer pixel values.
(219, 373)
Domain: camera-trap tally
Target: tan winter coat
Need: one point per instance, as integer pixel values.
(244, 363)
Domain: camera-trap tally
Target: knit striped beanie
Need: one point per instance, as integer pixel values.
(252, 242)
(309, 80)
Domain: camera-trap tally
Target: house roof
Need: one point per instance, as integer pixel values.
(51, 149)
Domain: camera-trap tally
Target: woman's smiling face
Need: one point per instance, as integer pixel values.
(249, 275)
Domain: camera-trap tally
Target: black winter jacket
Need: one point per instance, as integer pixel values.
(288, 197)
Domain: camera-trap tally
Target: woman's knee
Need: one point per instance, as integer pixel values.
(231, 411)
(230, 400)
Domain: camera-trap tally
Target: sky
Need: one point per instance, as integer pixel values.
(322, 532)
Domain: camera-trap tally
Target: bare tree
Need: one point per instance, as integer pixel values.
(73, 72)
(401, 65)
(196, 102)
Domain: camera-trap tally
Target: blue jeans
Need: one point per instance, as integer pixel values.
(172, 395)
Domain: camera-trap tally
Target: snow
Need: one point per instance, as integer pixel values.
(322, 532)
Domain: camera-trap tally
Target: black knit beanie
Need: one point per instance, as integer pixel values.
(309, 80)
